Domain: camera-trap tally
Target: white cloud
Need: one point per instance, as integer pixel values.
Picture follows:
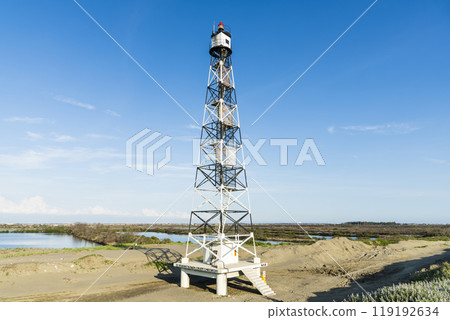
(388, 128)
(56, 137)
(37, 205)
(74, 102)
(101, 136)
(24, 119)
(43, 157)
(27, 206)
(194, 126)
(33, 135)
(101, 211)
(62, 138)
(331, 129)
(179, 171)
(169, 214)
(102, 168)
(112, 113)
(187, 139)
(183, 167)
(29, 159)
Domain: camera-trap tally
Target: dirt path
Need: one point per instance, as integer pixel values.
(296, 273)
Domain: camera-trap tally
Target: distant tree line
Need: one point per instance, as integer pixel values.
(103, 234)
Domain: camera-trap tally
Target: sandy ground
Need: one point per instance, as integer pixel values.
(295, 273)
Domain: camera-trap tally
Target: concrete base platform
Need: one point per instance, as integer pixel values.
(198, 268)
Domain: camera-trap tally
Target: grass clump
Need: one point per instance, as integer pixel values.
(435, 238)
(267, 244)
(263, 244)
(380, 241)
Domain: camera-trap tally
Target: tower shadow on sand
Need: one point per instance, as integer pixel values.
(164, 258)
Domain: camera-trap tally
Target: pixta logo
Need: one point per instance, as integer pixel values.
(141, 149)
(309, 152)
(148, 151)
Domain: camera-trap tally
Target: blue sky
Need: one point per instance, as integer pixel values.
(376, 105)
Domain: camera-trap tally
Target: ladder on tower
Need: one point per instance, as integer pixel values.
(256, 280)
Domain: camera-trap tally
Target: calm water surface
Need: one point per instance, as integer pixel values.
(42, 241)
(161, 236)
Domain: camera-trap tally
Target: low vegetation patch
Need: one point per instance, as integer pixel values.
(427, 285)
(380, 241)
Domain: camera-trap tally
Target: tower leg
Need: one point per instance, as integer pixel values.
(221, 284)
(184, 283)
(258, 270)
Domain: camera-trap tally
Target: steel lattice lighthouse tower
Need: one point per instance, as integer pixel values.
(220, 223)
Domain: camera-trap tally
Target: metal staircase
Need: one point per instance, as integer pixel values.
(256, 280)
